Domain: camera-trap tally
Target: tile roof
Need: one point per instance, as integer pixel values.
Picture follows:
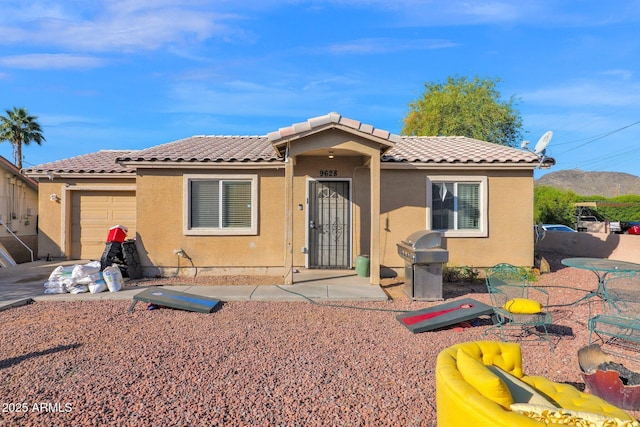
(264, 149)
(455, 150)
(208, 149)
(103, 161)
(330, 120)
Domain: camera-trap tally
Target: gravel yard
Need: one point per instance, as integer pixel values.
(252, 363)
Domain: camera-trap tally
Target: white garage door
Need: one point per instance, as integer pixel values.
(93, 213)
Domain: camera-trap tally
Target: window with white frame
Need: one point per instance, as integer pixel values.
(457, 205)
(225, 204)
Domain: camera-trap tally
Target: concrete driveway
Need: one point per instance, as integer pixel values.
(20, 283)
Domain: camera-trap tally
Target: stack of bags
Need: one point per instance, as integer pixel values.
(78, 279)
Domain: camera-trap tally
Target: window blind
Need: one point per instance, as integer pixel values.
(236, 204)
(468, 206)
(204, 204)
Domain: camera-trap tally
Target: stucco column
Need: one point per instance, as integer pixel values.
(374, 252)
(288, 222)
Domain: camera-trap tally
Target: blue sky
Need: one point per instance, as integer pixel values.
(122, 74)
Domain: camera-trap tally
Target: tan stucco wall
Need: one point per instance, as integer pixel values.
(160, 225)
(623, 247)
(160, 219)
(50, 219)
(510, 218)
(510, 223)
(54, 219)
(403, 201)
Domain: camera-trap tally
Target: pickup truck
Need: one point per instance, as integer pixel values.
(591, 224)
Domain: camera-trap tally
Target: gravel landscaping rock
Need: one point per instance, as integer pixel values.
(251, 363)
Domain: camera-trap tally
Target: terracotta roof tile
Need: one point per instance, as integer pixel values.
(208, 149)
(455, 149)
(103, 161)
(229, 149)
(319, 122)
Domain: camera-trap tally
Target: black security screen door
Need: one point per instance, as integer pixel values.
(329, 224)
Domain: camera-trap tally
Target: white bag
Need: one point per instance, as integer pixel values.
(61, 272)
(54, 284)
(98, 286)
(82, 271)
(55, 290)
(91, 278)
(113, 277)
(55, 287)
(79, 289)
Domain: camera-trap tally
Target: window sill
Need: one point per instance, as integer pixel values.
(218, 232)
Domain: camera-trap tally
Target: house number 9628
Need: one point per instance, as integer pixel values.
(325, 172)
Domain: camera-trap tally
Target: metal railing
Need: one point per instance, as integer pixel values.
(17, 238)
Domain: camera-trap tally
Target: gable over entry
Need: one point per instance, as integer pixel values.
(321, 142)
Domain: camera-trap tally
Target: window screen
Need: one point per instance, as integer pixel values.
(221, 204)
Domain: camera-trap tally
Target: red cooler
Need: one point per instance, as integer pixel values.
(117, 234)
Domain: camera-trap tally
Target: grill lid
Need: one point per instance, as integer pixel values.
(423, 239)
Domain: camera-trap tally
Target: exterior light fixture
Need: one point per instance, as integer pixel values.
(331, 154)
(54, 197)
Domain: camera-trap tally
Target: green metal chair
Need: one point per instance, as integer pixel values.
(620, 321)
(507, 283)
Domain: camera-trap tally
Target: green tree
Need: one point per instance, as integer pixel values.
(19, 128)
(621, 208)
(463, 107)
(554, 206)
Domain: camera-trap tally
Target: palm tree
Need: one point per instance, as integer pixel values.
(19, 128)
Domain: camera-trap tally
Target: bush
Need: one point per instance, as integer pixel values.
(452, 274)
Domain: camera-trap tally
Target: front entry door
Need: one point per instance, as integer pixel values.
(329, 224)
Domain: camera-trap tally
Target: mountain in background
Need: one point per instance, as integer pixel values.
(606, 184)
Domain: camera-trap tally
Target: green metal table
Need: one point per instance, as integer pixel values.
(600, 267)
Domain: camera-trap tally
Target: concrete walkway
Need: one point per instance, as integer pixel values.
(24, 283)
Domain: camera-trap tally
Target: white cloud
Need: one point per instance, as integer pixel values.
(51, 61)
(452, 12)
(387, 45)
(111, 25)
(542, 13)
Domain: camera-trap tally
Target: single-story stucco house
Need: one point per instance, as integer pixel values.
(316, 194)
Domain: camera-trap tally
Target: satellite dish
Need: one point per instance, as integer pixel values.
(542, 143)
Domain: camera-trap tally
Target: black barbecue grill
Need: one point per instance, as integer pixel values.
(423, 258)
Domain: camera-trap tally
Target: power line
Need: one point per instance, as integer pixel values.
(599, 137)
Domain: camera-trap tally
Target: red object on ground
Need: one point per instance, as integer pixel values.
(421, 317)
(608, 386)
(461, 326)
(634, 229)
(117, 234)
